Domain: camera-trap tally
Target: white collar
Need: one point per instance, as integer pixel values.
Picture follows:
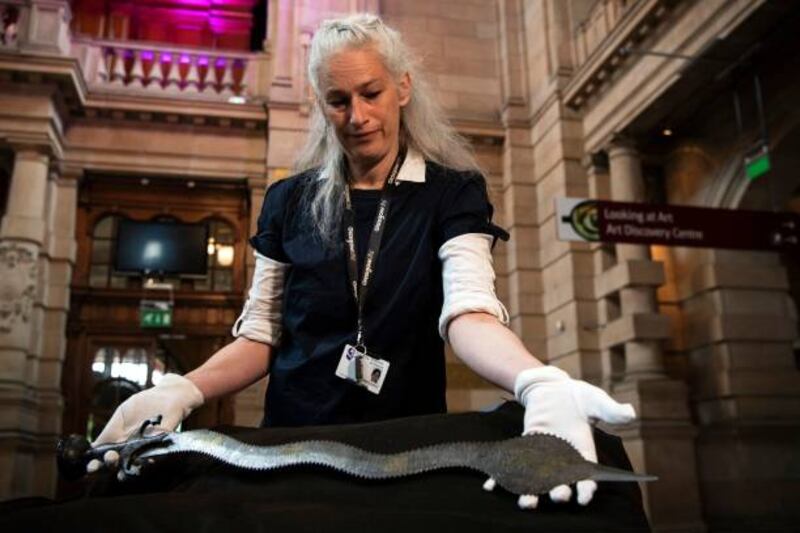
(413, 168)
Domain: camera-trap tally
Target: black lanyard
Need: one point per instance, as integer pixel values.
(360, 288)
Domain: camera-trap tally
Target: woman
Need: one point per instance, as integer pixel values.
(367, 260)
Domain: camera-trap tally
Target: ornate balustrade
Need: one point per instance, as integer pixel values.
(135, 68)
(163, 69)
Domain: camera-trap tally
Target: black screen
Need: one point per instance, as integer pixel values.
(161, 247)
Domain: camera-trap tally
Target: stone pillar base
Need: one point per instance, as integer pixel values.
(751, 477)
(17, 461)
(662, 442)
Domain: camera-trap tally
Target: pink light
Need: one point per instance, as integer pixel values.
(166, 57)
(223, 22)
(229, 27)
(195, 3)
(202, 61)
(186, 15)
(147, 55)
(220, 62)
(185, 59)
(186, 22)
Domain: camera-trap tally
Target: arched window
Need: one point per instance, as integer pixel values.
(101, 273)
(221, 239)
(117, 373)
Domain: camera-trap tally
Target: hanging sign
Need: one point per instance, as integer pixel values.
(155, 314)
(581, 219)
(757, 163)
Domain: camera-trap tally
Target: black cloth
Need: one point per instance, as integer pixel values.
(194, 494)
(402, 309)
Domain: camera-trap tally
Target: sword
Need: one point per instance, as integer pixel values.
(531, 464)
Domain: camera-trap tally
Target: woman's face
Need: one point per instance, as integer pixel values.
(362, 102)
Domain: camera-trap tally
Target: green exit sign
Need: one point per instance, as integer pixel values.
(155, 314)
(757, 163)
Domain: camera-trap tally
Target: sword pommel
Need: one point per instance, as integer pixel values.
(73, 453)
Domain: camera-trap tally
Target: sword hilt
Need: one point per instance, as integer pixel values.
(74, 452)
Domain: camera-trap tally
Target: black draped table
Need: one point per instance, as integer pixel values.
(191, 493)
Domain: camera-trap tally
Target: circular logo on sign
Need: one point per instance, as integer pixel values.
(583, 219)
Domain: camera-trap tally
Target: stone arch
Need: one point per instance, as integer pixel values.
(730, 186)
(103, 242)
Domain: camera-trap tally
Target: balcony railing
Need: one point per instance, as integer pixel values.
(163, 69)
(133, 68)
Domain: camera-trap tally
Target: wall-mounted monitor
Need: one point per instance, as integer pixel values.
(161, 248)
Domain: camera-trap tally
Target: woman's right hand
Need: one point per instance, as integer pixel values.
(173, 398)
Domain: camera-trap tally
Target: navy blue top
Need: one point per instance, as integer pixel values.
(403, 305)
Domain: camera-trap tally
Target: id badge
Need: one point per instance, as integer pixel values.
(361, 369)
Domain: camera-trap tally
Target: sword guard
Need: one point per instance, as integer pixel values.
(156, 420)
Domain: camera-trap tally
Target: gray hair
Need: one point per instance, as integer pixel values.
(423, 125)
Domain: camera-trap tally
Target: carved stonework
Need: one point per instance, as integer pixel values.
(18, 271)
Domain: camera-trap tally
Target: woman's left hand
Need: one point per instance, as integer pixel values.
(559, 405)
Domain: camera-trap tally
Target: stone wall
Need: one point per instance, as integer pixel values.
(590, 309)
(737, 327)
(456, 42)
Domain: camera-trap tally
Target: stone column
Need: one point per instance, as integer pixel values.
(524, 273)
(643, 356)
(22, 234)
(603, 257)
(281, 37)
(57, 260)
(661, 440)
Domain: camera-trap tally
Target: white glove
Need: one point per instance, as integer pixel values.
(173, 398)
(558, 405)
